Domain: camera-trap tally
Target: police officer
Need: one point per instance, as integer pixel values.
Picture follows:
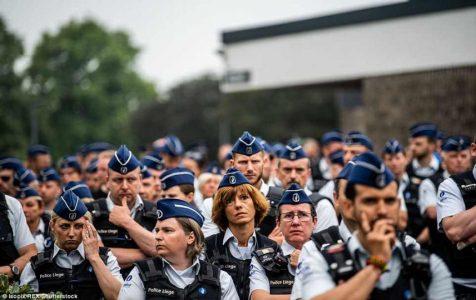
(423, 165)
(456, 213)
(38, 221)
(374, 263)
(238, 208)
(177, 272)
(272, 270)
(294, 167)
(208, 183)
(248, 157)
(178, 183)
(8, 168)
(38, 158)
(92, 179)
(330, 141)
(80, 189)
(155, 165)
(123, 220)
(148, 192)
(25, 177)
(49, 187)
(70, 169)
(75, 265)
(171, 150)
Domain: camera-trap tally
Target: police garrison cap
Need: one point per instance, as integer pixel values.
(294, 195)
(175, 208)
(337, 157)
(92, 167)
(456, 143)
(48, 174)
(79, 188)
(172, 146)
(392, 146)
(153, 161)
(370, 171)
(35, 150)
(26, 192)
(70, 162)
(70, 207)
(145, 172)
(424, 129)
(233, 177)
(332, 136)
(23, 177)
(176, 176)
(123, 161)
(293, 151)
(11, 163)
(247, 145)
(358, 138)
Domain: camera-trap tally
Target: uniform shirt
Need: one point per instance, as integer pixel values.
(133, 287)
(313, 268)
(427, 194)
(209, 228)
(68, 260)
(426, 171)
(258, 278)
(137, 206)
(21, 232)
(325, 212)
(328, 190)
(39, 237)
(450, 202)
(236, 251)
(402, 185)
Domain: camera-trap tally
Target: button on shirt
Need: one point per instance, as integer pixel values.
(68, 260)
(133, 287)
(449, 203)
(313, 268)
(21, 232)
(258, 278)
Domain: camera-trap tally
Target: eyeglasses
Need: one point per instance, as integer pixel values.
(5, 178)
(302, 216)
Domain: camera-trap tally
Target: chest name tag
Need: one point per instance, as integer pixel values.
(161, 292)
(52, 275)
(281, 282)
(108, 232)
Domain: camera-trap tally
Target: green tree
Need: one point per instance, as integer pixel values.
(83, 85)
(13, 109)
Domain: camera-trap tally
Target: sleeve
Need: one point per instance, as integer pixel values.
(312, 268)
(258, 278)
(228, 291)
(441, 286)
(403, 205)
(28, 277)
(296, 292)
(21, 233)
(133, 287)
(328, 190)
(209, 228)
(426, 195)
(326, 216)
(113, 266)
(449, 201)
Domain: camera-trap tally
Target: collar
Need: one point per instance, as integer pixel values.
(195, 266)
(80, 250)
(264, 188)
(474, 171)
(405, 179)
(287, 248)
(344, 231)
(41, 228)
(137, 206)
(229, 235)
(307, 191)
(446, 175)
(355, 246)
(434, 164)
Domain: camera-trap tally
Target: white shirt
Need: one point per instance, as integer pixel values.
(328, 190)
(427, 194)
(449, 203)
(133, 287)
(325, 212)
(258, 278)
(39, 237)
(236, 251)
(313, 268)
(426, 171)
(325, 169)
(21, 232)
(68, 260)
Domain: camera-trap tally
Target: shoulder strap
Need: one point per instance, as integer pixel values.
(214, 246)
(264, 242)
(464, 179)
(41, 258)
(98, 208)
(316, 197)
(209, 273)
(341, 264)
(150, 269)
(275, 193)
(103, 251)
(3, 203)
(328, 236)
(46, 219)
(149, 211)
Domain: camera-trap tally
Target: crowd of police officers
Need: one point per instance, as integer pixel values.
(307, 220)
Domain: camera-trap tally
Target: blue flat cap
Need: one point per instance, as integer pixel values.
(70, 207)
(123, 161)
(247, 145)
(93, 166)
(23, 177)
(175, 208)
(26, 192)
(424, 129)
(153, 160)
(37, 149)
(233, 177)
(392, 146)
(172, 146)
(358, 138)
(11, 163)
(337, 157)
(70, 162)
(456, 143)
(145, 172)
(176, 176)
(48, 174)
(369, 170)
(214, 169)
(294, 195)
(79, 188)
(293, 151)
(332, 136)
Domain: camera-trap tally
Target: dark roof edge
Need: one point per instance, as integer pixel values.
(392, 11)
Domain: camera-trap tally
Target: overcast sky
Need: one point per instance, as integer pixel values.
(179, 39)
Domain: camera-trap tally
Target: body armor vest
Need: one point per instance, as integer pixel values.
(8, 251)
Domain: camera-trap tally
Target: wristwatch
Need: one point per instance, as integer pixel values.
(15, 271)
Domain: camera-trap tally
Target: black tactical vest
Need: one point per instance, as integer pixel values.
(220, 256)
(80, 280)
(437, 238)
(462, 263)
(328, 236)
(276, 267)
(269, 222)
(8, 251)
(318, 179)
(158, 286)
